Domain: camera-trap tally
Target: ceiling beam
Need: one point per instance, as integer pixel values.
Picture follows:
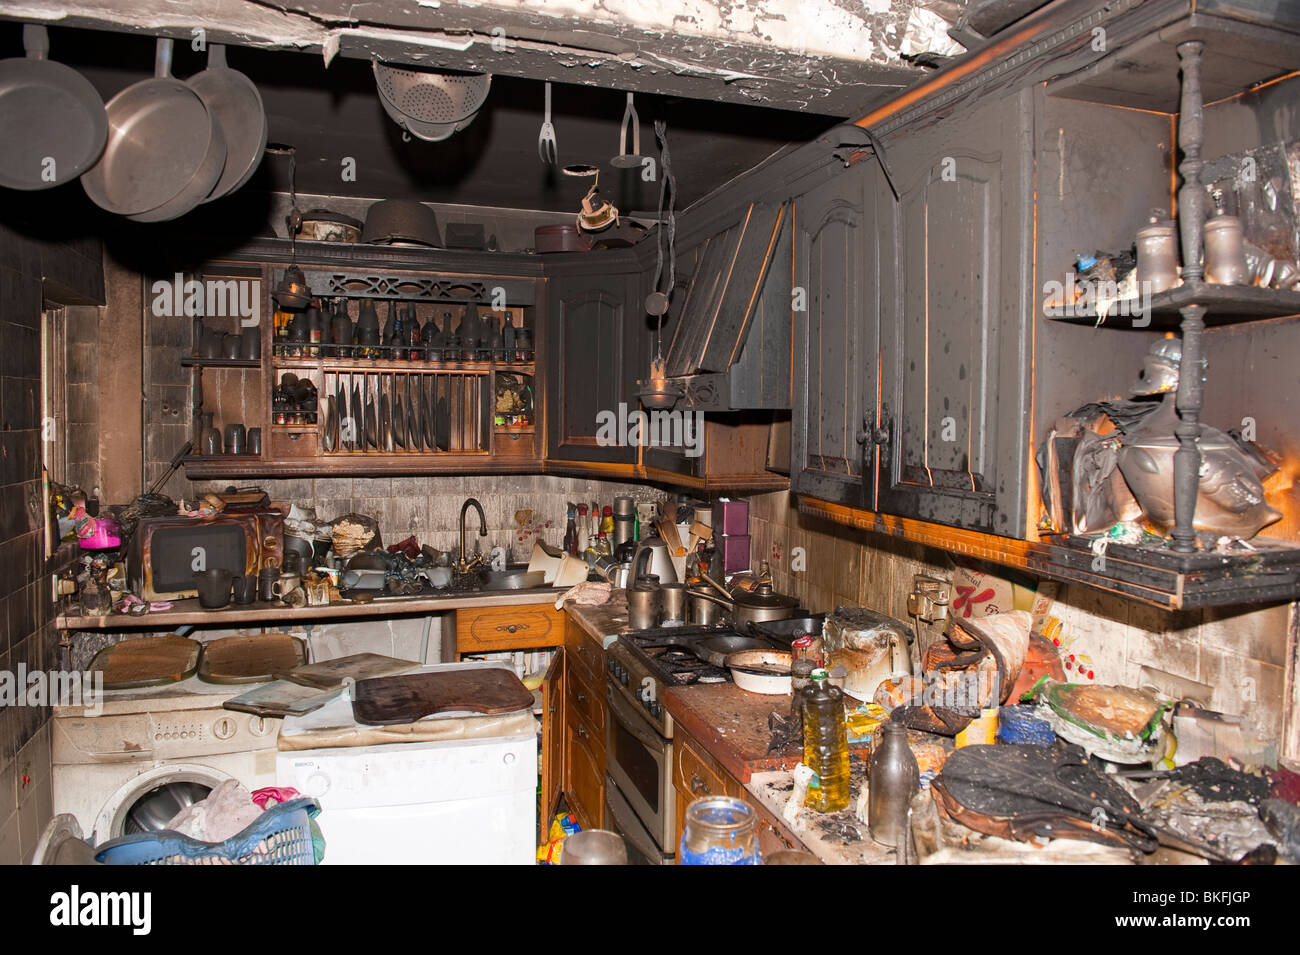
(821, 56)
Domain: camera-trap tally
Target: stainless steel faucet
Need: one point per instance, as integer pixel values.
(464, 565)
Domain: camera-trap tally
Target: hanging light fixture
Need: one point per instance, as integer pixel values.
(292, 292)
(657, 392)
(597, 213)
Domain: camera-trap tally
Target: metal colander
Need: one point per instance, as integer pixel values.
(432, 97)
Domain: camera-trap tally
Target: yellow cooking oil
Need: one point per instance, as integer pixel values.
(825, 745)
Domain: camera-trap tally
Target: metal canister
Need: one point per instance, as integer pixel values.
(1157, 256)
(1225, 254)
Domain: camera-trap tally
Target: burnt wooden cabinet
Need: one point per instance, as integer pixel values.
(584, 726)
(591, 299)
(552, 773)
(955, 321)
(835, 312)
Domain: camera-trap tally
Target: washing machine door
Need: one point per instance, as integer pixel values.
(146, 803)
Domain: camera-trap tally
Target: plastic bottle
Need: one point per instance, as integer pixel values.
(607, 521)
(825, 744)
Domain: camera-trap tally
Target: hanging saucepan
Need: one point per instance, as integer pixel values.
(237, 105)
(165, 149)
(52, 122)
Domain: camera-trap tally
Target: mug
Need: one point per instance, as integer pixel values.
(266, 581)
(245, 589)
(285, 585)
(213, 587)
(235, 437)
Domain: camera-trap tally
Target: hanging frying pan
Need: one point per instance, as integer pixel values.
(165, 150)
(237, 105)
(52, 122)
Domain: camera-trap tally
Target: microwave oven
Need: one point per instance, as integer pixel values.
(166, 552)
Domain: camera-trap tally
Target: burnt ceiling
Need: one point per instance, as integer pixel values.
(332, 115)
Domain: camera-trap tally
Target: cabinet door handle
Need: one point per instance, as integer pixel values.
(582, 731)
(512, 627)
(699, 786)
(873, 432)
(580, 696)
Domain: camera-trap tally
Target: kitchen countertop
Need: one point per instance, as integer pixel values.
(731, 724)
(604, 622)
(189, 612)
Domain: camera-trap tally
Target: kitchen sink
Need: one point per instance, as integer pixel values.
(515, 578)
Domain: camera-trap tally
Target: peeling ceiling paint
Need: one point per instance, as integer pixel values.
(834, 57)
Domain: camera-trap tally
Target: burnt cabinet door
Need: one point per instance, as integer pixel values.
(835, 314)
(954, 322)
(587, 363)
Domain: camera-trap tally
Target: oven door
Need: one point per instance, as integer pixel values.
(640, 762)
(619, 817)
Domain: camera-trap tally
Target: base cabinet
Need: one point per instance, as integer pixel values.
(584, 726)
(696, 774)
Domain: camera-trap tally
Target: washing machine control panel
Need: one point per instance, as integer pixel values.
(198, 732)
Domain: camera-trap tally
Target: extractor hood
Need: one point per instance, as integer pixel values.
(730, 348)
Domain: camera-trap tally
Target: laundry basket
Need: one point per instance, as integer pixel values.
(279, 836)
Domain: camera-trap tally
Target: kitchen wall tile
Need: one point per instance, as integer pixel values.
(10, 848)
(34, 815)
(1246, 687)
(1260, 634)
(1096, 633)
(8, 790)
(846, 571)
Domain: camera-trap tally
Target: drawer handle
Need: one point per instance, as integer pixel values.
(699, 786)
(580, 696)
(512, 627)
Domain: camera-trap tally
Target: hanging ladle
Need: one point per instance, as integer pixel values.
(625, 159)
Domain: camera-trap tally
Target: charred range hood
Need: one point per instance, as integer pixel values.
(730, 348)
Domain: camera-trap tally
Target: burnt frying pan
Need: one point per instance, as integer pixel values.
(237, 105)
(165, 150)
(53, 125)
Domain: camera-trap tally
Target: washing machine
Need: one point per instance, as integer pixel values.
(131, 762)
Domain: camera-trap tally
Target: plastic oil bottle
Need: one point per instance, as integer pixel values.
(825, 744)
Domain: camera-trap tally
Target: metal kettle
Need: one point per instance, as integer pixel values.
(652, 557)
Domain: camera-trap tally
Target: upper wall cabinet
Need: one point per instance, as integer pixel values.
(589, 307)
(836, 313)
(955, 318)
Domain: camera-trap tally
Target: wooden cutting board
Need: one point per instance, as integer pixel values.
(356, 667)
(405, 699)
(251, 659)
(147, 661)
(280, 698)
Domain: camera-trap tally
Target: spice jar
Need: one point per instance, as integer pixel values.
(719, 830)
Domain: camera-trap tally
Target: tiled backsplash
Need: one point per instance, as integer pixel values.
(429, 507)
(31, 269)
(1239, 656)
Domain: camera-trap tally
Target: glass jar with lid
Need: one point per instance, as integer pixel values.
(720, 830)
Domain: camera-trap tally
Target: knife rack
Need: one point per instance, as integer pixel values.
(448, 411)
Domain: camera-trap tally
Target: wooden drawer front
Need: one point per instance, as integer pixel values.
(588, 701)
(584, 653)
(507, 628)
(584, 766)
(696, 775)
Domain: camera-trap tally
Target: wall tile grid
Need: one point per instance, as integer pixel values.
(1239, 657)
(429, 507)
(72, 272)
